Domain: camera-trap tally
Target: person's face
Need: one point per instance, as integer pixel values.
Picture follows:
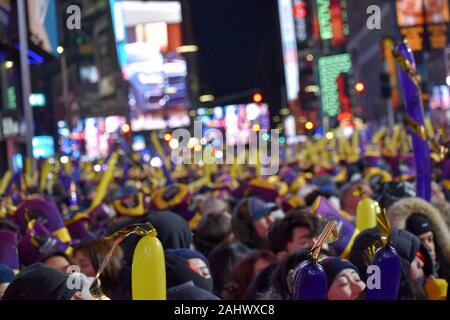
(259, 265)
(85, 264)
(58, 263)
(428, 242)
(301, 238)
(436, 192)
(346, 286)
(262, 225)
(415, 269)
(3, 287)
(351, 201)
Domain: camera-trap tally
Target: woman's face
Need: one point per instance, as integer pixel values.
(262, 225)
(416, 269)
(346, 286)
(85, 264)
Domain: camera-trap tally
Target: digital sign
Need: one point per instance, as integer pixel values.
(330, 67)
(437, 35)
(43, 26)
(414, 15)
(43, 147)
(324, 16)
(391, 65)
(333, 20)
(415, 37)
(289, 45)
(300, 13)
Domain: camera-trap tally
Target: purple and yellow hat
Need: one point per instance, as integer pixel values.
(38, 242)
(9, 255)
(347, 231)
(45, 210)
(176, 198)
(79, 227)
(407, 168)
(263, 189)
(130, 193)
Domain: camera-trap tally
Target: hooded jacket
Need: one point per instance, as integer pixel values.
(399, 213)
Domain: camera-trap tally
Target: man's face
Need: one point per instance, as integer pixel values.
(302, 238)
(428, 242)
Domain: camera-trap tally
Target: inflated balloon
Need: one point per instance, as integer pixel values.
(410, 81)
(366, 214)
(387, 259)
(148, 281)
(310, 280)
(388, 262)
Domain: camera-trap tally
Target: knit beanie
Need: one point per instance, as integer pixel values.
(334, 266)
(39, 282)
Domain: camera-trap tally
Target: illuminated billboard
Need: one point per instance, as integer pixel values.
(43, 24)
(330, 67)
(289, 45)
(148, 35)
(413, 15)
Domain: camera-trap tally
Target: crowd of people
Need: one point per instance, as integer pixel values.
(227, 232)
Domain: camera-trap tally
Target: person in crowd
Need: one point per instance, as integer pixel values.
(251, 222)
(426, 222)
(343, 280)
(297, 230)
(222, 260)
(212, 230)
(58, 260)
(90, 256)
(39, 282)
(350, 199)
(180, 270)
(6, 276)
(282, 276)
(416, 265)
(244, 273)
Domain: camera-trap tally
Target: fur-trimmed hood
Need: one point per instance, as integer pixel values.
(401, 210)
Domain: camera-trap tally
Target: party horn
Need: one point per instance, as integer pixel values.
(388, 262)
(310, 280)
(410, 81)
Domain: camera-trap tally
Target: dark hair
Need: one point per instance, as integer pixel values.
(279, 277)
(280, 232)
(222, 260)
(312, 196)
(211, 230)
(243, 228)
(97, 250)
(243, 274)
(58, 253)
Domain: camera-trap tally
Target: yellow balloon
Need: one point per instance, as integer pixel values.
(148, 279)
(366, 214)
